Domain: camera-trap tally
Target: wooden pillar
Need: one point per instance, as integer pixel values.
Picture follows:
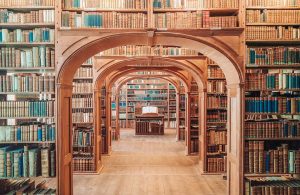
(64, 139)
(108, 120)
(117, 117)
(202, 130)
(235, 123)
(97, 129)
(188, 123)
(177, 115)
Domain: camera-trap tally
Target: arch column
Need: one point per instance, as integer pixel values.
(235, 124)
(64, 146)
(117, 116)
(97, 129)
(188, 123)
(177, 114)
(202, 130)
(108, 119)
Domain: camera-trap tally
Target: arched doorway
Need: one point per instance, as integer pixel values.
(73, 55)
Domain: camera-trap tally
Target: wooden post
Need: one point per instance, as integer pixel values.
(117, 116)
(177, 114)
(235, 123)
(202, 130)
(64, 146)
(188, 123)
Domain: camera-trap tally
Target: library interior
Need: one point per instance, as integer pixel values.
(162, 97)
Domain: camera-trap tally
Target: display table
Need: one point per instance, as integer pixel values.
(149, 124)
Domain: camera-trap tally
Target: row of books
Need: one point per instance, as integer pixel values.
(40, 16)
(27, 36)
(150, 98)
(147, 86)
(27, 57)
(25, 186)
(82, 117)
(273, 55)
(84, 72)
(27, 108)
(27, 133)
(147, 92)
(216, 137)
(11, 3)
(194, 146)
(27, 83)
(216, 87)
(104, 20)
(216, 149)
(149, 128)
(276, 188)
(279, 160)
(81, 164)
(272, 33)
(272, 105)
(256, 79)
(82, 102)
(194, 4)
(83, 86)
(215, 72)
(144, 50)
(146, 81)
(217, 116)
(181, 133)
(103, 4)
(216, 165)
(273, 16)
(83, 137)
(273, 3)
(216, 101)
(26, 162)
(272, 129)
(193, 20)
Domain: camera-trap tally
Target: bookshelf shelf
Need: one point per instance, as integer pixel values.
(26, 93)
(27, 44)
(28, 142)
(274, 139)
(31, 69)
(211, 10)
(165, 56)
(105, 10)
(267, 174)
(270, 7)
(272, 24)
(27, 8)
(274, 42)
(279, 66)
(27, 117)
(26, 25)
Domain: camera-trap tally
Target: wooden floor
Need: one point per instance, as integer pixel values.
(155, 165)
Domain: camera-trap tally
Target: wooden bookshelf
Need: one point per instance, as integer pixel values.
(142, 91)
(85, 157)
(215, 135)
(39, 151)
(284, 143)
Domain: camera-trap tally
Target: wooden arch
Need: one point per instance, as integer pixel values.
(164, 64)
(74, 49)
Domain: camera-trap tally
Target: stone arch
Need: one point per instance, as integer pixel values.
(72, 53)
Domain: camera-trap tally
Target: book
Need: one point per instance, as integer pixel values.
(27, 83)
(281, 55)
(27, 36)
(272, 33)
(26, 3)
(109, 20)
(103, 4)
(39, 16)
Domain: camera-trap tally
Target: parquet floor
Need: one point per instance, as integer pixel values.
(154, 165)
